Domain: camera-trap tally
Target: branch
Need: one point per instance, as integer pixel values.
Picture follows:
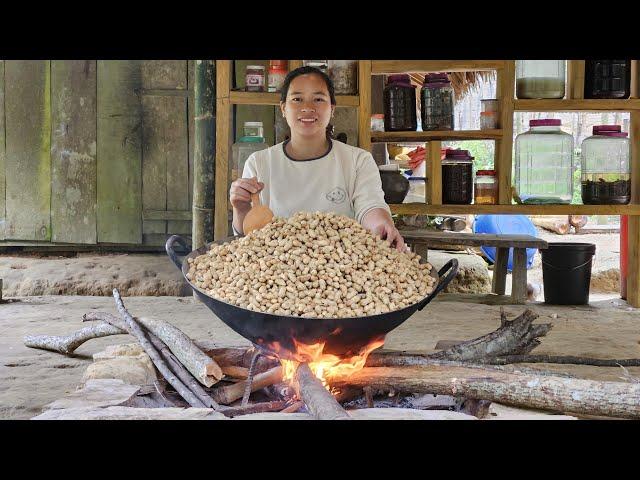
(134, 329)
(318, 399)
(68, 344)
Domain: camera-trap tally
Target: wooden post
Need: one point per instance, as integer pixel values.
(204, 151)
(633, 242)
(503, 160)
(364, 110)
(634, 79)
(222, 129)
(500, 271)
(575, 79)
(435, 172)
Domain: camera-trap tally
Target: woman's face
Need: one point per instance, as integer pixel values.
(308, 108)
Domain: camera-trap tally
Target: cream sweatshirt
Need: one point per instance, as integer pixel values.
(345, 180)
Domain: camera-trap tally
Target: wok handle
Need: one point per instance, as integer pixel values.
(452, 267)
(172, 254)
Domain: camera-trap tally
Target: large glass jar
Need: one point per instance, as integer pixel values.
(540, 78)
(457, 177)
(437, 102)
(400, 104)
(252, 141)
(344, 74)
(544, 169)
(607, 78)
(606, 170)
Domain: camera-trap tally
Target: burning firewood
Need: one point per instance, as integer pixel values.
(231, 393)
(316, 397)
(544, 392)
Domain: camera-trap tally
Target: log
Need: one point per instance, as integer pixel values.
(544, 392)
(136, 330)
(319, 401)
(236, 356)
(515, 337)
(294, 407)
(566, 359)
(556, 224)
(231, 393)
(67, 344)
(165, 352)
(235, 372)
(202, 367)
(274, 406)
(578, 221)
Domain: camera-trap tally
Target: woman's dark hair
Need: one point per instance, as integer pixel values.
(304, 71)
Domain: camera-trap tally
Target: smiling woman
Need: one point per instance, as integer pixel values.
(312, 172)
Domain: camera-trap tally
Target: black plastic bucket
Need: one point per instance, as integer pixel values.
(566, 272)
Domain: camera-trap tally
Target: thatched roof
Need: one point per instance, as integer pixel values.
(462, 82)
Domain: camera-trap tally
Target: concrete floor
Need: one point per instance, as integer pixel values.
(30, 378)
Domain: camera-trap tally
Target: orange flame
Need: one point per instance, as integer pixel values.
(326, 365)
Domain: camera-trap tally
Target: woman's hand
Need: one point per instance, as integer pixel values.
(240, 193)
(380, 223)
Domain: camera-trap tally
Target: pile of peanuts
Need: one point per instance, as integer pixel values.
(319, 265)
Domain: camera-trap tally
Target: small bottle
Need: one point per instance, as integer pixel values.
(485, 188)
(277, 73)
(254, 78)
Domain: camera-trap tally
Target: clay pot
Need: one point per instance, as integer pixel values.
(395, 186)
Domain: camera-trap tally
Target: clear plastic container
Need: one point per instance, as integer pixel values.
(437, 102)
(489, 105)
(399, 98)
(457, 177)
(252, 141)
(344, 74)
(540, 78)
(607, 78)
(606, 170)
(377, 122)
(485, 188)
(488, 120)
(254, 78)
(321, 64)
(543, 164)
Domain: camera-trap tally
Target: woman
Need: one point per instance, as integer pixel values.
(311, 172)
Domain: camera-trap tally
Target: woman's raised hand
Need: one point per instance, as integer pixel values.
(241, 190)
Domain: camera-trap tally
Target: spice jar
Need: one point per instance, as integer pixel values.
(254, 78)
(277, 73)
(377, 122)
(485, 188)
(437, 102)
(399, 98)
(320, 64)
(606, 170)
(488, 120)
(457, 177)
(344, 74)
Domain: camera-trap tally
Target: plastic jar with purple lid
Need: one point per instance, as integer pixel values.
(606, 167)
(436, 98)
(543, 163)
(457, 177)
(400, 104)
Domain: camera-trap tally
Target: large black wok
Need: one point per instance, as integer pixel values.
(276, 333)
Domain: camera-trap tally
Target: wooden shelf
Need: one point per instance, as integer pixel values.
(378, 137)
(265, 98)
(424, 209)
(418, 66)
(563, 105)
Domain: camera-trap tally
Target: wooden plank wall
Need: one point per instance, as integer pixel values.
(165, 152)
(119, 162)
(2, 153)
(28, 157)
(73, 151)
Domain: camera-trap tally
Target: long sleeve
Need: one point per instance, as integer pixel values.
(368, 193)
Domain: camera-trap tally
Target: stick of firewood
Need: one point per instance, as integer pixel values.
(67, 344)
(202, 367)
(235, 372)
(231, 393)
(173, 363)
(136, 330)
(318, 399)
(236, 356)
(294, 407)
(544, 392)
(273, 406)
(565, 359)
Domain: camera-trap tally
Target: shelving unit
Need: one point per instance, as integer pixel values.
(503, 137)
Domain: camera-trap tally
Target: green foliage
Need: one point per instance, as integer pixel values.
(483, 152)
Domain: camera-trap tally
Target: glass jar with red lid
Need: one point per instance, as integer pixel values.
(485, 188)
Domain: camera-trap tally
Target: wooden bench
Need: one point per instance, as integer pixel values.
(502, 243)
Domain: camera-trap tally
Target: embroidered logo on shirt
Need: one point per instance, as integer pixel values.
(337, 195)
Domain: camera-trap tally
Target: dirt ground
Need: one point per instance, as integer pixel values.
(30, 378)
